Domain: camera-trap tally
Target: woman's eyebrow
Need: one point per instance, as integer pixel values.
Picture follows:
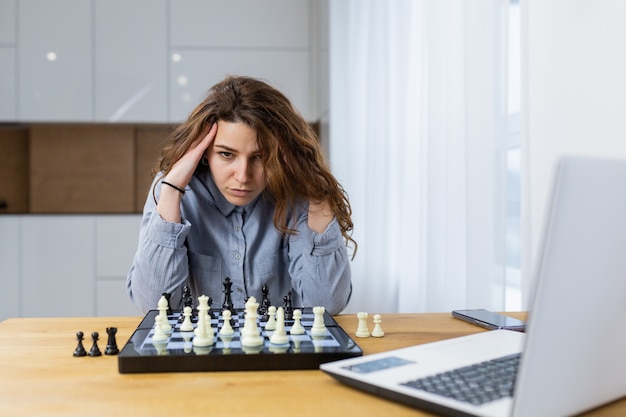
(226, 148)
(233, 150)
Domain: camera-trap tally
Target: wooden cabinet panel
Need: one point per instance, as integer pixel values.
(82, 169)
(13, 170)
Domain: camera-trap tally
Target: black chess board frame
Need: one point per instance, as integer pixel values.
(140, 356)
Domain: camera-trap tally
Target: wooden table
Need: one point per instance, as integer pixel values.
(41, 377)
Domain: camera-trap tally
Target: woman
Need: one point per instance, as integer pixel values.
(241, 191)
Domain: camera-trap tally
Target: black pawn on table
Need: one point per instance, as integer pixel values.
(111, 348)
(95, 350)
(80, 349)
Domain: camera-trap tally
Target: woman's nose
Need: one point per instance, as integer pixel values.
(242, 172)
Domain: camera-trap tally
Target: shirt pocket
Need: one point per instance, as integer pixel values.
(272, 270)
(204, 265)
(205, 274)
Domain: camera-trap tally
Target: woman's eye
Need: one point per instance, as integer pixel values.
(226, 155)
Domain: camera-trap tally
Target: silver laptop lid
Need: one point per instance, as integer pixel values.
(575, 355)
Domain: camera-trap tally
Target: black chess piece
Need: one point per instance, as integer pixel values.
(95, 350)
(187, 298)
(265, 303)
(228, 301)
(111, 348)
(168, 297)
(288, 306)
(187, 302)
(212, 312)
(80, 349)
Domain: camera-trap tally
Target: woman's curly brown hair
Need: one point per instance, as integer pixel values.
(294, 163)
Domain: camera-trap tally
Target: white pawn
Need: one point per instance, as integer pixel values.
(227, 328)
(271, 321)
(163, 320)
(362, 330)
(378, 330)
(279, 337)
(187, 325)
(297, 328)
(318, 329)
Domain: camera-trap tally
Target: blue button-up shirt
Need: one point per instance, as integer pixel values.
(216, 240)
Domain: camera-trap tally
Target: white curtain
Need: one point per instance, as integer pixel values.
(417, 138)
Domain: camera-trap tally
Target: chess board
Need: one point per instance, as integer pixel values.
(177, 354)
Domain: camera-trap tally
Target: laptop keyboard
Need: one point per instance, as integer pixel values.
(476, 384)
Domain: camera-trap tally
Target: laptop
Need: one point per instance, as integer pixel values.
(572, 357)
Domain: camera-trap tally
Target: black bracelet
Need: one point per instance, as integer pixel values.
(180, 190)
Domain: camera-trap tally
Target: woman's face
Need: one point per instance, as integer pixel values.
(236, 163)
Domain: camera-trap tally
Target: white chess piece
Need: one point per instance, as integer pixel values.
(159, 332)
(318, 329)
(187, 325)
(250, 334)
(279, 337)
(163, 320)
(362, 330)
(271, 321)
(227, 328)
(377, 331)
(204, 331)
(297, 327)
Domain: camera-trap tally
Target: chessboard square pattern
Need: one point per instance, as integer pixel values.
(177, 353)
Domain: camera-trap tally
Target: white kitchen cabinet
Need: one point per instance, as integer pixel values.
(55, 60)
(8, 90)
(112, 299)
(116, 244)
(66, 265)
(8, 13)
(130, 40)
(57, 266)
(196, 71)
(8, 51)
(119, 61)
(240, 23)
(9, 266)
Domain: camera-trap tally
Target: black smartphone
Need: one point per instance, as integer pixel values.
(490, 320)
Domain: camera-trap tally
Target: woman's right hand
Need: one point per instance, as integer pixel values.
(168, 205)
(183, 169)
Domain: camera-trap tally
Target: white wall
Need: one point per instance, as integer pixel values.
(574, 95)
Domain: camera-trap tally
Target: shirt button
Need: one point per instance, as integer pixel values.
(237, 256)
(237, 228)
